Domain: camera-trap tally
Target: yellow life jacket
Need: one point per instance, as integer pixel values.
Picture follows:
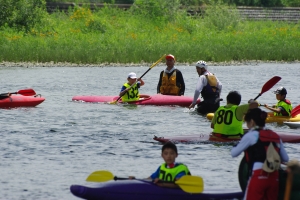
(286, 104)
(132, 94)
(212, 81)
(168, 85)
(226, 122)
(169, 174)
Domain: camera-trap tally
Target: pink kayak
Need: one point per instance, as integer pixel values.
(285, 137)
(157, 99)
(14, 101)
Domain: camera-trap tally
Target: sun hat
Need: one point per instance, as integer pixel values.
(280, 90)
(272, 161)
(132, 75)
(170, 56)
(201, 64)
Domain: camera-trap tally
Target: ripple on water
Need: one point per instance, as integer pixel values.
(46, 149)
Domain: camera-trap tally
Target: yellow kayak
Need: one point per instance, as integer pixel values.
(270, 119)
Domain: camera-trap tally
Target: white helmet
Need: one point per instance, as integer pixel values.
(201, 64)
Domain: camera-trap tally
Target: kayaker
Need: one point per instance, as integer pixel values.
(170, 170)
(283, 106)
(171, 80)
(264, 152)
(228, 119)
(130, 92)
(210, 88)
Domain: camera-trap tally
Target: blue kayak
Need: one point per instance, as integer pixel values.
(138, 189)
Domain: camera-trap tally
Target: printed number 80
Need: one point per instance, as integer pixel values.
(225, 116)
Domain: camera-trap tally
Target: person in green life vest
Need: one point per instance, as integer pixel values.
(130, 90)
(228, 119)
(169, 170)
(283, 106)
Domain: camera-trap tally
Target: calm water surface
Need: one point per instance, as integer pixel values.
(46, 149)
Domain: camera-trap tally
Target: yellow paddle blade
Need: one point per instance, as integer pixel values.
(154, 64)
(100, 176)
(113, 102)
(191, 184)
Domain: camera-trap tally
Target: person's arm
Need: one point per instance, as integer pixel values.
(141, 81)
(247, 140)
(277, 110)
(123, 90)
(200, 84)
(159, 182)
(159, 82)
(243, 109)
(181, 83)
(170, 185)
(155, 174)
(283, 155)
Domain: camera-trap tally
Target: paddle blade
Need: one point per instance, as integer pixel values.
(100, 176)
(191, 184)
(26, 92)
(295, 111)
(268, 85)
(113, 102)
(158, 61)
(116, 101)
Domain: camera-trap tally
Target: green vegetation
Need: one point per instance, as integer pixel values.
(111, 35)
(266, 3)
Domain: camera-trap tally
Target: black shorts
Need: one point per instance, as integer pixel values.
(204, 108)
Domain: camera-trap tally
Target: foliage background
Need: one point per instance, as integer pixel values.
(149, 29)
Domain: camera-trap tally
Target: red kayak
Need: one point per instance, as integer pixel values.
(158, 100)
(201, 138)
(14, 101)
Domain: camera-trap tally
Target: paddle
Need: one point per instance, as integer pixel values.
(24, 92)
(190, 184)
(295, 111)
(154, 64)
(268, 85)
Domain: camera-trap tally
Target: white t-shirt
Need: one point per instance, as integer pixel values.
(202, 82)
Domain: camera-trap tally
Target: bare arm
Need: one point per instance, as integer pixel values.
(141, 81)
(277, 110)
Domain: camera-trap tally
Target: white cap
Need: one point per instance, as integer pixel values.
(132, 75)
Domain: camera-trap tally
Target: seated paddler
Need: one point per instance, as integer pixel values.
(130, 89)
(228, 119)
(169, 171)
(283, 106)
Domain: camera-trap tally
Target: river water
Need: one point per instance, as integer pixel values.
(46, 149)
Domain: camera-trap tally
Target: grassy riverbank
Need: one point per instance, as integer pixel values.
(114, 36)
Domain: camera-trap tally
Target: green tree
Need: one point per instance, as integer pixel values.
(22, 14)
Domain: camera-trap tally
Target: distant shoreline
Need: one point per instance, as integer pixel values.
(66, 64)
